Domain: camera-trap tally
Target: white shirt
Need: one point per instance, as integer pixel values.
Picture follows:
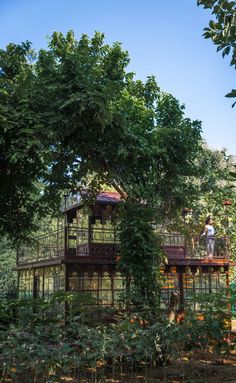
(210, 231)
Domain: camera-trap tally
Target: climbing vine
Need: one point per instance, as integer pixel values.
(141, 255)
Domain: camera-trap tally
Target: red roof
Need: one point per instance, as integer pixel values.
(102, 198)
(108, 197)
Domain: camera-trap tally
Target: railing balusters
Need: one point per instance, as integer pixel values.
(72, 239)
(194, 247)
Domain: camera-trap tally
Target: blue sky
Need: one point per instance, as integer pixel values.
(163, 37)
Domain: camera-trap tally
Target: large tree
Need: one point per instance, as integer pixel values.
(72, 116)
(127, 133)
(21, 154)
(222, 30)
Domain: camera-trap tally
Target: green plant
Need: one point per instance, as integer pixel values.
(141, 255)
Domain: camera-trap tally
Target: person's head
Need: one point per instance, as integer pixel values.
(209, 221)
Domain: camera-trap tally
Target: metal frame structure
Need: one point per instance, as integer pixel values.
(81, 256)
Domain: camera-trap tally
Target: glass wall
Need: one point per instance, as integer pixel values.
(26, 281)
(38, 283)
(41, 282)
(54, 279)
(104, 287)
(189, 286)
(170, 286)
(201, 283)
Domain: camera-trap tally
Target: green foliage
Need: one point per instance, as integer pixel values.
(217, 184)
(7, 264)
(141, 255)
(212, 201)
(72, 117)
(124, 132)
(222, 30)
(21, 162)
(38, 347)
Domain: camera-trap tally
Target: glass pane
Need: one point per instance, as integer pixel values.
(222, 280)
(118, 283)
(207, 282)
(105, 281)
(198, 282)
(94, 282)
(26, 283)
(187, 281)
(188, 289)
(214, 283)
(105, 297)
(74, 283)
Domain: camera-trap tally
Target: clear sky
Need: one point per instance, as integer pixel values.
(163, 37)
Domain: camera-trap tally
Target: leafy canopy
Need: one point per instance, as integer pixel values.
(71, 115)
(126, 133)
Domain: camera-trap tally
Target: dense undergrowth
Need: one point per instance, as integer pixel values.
(37, 344)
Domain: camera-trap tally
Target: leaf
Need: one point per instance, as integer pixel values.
(232, 94)
(226, 51)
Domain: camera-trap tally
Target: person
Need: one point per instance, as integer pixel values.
(209, 232)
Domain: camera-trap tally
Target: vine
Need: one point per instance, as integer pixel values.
(140, 255)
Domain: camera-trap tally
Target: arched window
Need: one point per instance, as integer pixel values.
(105, 289)
(74, 281)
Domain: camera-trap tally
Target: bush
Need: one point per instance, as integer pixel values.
(39, 346)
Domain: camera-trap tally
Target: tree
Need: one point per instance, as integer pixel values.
(222, 30)
(126, 133)
(71, 115)
(8, 277)
(21, 153)
(104, 127)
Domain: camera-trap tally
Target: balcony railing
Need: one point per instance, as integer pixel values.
(177, 246)
(47, 247)
(73, 241)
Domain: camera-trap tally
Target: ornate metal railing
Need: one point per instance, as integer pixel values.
(81, 236)
(70, 241)
(93, 242)
(74, 241)
(180, 247)
(49, 246)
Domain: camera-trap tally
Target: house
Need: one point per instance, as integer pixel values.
(81, 255)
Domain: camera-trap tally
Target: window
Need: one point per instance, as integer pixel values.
(26, 278)
(54, 279)
(170, 285)
(105, 287)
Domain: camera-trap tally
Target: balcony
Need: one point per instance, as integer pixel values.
(179, 248)
(73, 242)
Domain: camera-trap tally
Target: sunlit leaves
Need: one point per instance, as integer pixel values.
(74, 112)
(222, 30)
